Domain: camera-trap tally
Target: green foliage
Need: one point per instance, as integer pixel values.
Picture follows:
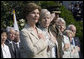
(8, 6)
(6, 12)
(46, 4)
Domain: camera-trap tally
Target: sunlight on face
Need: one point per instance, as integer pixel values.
(33, 16)
(45, 21)
(3, 36)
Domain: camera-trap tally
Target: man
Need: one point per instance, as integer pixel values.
(55, 30)
(17, 42)
(75, 40)
(9, 41)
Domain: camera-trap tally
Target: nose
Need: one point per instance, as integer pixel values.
(36, 15)
(13, 35)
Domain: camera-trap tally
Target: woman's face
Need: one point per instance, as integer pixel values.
(45, 22)
(61, 26)
(3, 36)
(33, 16)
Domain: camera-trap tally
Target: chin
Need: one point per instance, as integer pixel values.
(36, 21)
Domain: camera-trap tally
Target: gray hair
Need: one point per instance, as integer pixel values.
(9, 28)
(61, 20)
(69, 26)
(44, 12)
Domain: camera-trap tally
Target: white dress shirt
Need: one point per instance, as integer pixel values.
(5, 51)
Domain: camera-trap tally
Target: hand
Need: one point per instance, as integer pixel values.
(52, 16)
(41, 36)
(66, 46)
(73, 51)
(78, 48)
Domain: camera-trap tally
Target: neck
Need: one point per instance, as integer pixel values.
(9, 39)
(31, 24)
(43, 27)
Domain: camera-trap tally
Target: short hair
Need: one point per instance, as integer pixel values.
(44, 12)
(68, 28)
(61, 20)
(9, 28)
(29, 8)
(3, 30)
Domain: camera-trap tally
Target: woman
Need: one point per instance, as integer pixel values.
(44, 22)
(65, 40)
(4, 48)
(32, 39)
(73, 49)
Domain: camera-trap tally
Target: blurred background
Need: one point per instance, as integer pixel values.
(71, 11)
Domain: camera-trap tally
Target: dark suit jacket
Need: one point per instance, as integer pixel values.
(17, 52)
(77, 42)
(10, 48)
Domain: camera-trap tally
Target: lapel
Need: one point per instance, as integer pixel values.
(30, 30)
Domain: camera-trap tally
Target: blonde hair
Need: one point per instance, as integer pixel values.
(68, 32)
(44, 12)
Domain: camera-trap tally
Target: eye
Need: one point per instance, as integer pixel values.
(38, 13)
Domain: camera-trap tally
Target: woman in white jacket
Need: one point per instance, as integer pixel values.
(44, 22)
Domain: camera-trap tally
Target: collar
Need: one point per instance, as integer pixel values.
(10, 41)
(42, 28)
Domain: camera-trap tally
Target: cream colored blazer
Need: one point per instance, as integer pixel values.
(31, 46)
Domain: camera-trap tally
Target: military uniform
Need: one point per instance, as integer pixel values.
(55, 31)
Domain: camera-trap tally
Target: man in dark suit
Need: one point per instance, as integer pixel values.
(17, 43)
(75, 40)
(11, 36)
(55, 31)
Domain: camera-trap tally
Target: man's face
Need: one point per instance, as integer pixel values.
(12, 34)
(73, 29)
(17, 37)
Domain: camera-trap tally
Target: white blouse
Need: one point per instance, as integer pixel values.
(5, 51)
(51, 52)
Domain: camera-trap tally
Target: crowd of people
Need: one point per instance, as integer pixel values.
(77, 10)
(44, 35)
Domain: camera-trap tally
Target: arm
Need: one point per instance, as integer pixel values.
(29, 47)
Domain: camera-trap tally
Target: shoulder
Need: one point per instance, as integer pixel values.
(24, 29)
(76, 38)
(39, 30)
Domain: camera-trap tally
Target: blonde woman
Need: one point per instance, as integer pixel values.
(44, 22)
(72, 49)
